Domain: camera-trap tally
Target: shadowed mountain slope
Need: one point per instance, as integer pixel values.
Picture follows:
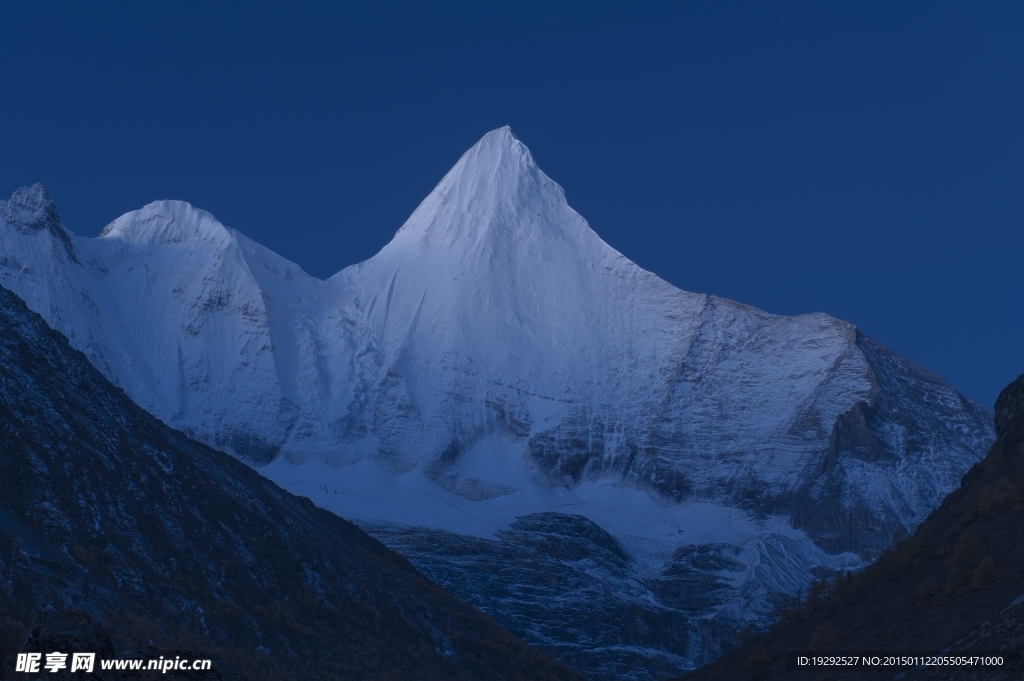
(106, 509)
(956, 585)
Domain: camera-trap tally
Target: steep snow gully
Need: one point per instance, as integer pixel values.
(499, 382)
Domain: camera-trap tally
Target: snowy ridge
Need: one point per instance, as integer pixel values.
(497, 359)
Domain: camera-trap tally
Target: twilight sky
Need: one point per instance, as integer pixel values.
(860, 159)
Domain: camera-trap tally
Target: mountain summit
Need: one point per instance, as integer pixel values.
(497, 360)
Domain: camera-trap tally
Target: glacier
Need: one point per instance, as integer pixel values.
(498, 364)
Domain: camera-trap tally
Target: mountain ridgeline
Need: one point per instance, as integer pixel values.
(107, 510)
(498, 368)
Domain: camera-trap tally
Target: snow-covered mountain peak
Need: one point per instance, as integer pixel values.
(494, 196)
(30, 207)
(31, 210)
(167, 222)
(197, 237)
(495, 268)
(498, 232)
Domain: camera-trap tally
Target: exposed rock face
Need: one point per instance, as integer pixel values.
(908, 423)
(954, 588)
(107, 510)
(564, 584)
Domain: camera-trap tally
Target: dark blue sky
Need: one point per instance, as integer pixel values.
(864, 160)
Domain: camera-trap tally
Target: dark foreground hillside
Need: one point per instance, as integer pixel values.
(957, 585)
(165, 541)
